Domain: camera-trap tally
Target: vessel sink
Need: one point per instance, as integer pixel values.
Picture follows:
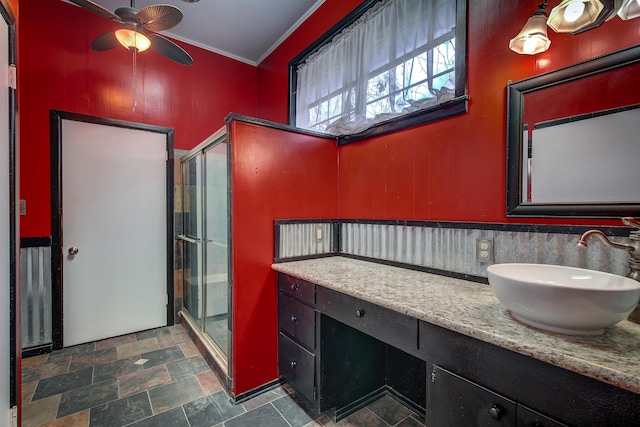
(562, 299)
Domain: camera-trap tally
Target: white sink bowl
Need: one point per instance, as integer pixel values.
(561, 299)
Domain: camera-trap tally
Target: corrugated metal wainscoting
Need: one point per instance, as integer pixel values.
(35, 294)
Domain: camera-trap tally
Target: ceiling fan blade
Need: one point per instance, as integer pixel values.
(104, 42)
(97, 9)
(126, 14)
(169, 49)
(159, 17)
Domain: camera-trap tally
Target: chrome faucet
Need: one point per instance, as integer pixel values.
(633, 249)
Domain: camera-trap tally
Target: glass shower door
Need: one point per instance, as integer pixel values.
(205, 242)
(216, 245)
(192, 237)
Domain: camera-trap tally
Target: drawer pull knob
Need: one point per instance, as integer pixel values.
(293, 363)
(495, 412)
(295, 287)
(359, 312)
(294, 319)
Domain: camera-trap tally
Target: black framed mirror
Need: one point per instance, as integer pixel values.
(573, 140)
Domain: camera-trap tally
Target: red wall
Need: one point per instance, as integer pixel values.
(276, 175)
(454, 169)
(57, 70)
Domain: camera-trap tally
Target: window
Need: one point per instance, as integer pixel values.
(394, 64)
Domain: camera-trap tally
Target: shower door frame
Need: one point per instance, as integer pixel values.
(216, 138)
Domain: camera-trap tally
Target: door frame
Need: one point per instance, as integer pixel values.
(15, 359)
(57, 286)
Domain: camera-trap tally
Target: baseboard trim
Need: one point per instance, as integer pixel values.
(243, 397)
(37, 350)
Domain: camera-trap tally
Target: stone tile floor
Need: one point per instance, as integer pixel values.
(158, 378)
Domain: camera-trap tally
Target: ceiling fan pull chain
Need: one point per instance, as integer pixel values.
(135, 102)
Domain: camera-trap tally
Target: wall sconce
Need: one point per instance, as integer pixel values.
(630, 9)
(576, 16)
(570, 16)
(532, 39)
(132, 39)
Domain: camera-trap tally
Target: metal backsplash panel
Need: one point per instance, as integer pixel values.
(454, 249)
(443, 248)
(304, 239)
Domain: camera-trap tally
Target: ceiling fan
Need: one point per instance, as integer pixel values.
(139, 29)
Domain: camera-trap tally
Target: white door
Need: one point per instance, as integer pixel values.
(114, 216)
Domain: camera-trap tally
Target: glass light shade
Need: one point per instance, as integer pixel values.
(630, 9)
(573, 11)
(533, 37)
(132, 39)
(572, 16)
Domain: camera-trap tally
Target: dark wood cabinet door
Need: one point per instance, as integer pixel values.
(297, 366)
(453, 401)
(297, 320)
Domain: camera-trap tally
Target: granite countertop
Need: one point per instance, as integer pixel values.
(471, 309)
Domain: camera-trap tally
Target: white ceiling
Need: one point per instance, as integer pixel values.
(245, 30)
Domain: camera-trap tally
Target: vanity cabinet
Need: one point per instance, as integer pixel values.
(341, 353)
(296, 334)
(544, 394)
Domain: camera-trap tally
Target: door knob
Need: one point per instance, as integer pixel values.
(73, 250)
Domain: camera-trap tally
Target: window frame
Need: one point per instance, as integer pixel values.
(458, 105)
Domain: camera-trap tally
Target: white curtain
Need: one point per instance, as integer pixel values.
(397, 58)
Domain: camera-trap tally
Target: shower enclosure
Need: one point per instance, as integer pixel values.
(206, 241)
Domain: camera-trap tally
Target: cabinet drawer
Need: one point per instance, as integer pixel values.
(297, 366)
(297, 320)
(386, 325)
(297, 288)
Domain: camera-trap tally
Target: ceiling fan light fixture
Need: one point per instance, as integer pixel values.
(132, 39)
